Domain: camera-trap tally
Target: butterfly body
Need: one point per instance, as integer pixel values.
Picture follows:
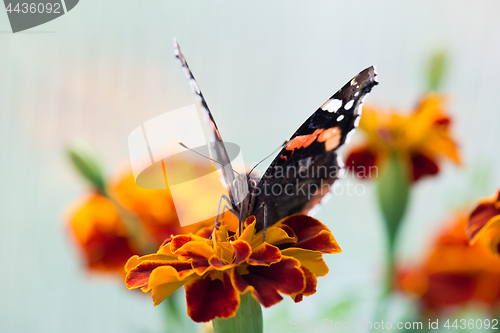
(303, 172)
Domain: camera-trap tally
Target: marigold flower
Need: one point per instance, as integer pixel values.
(99, 229)
(455, 273)
(418, 138)
(215, 272)
(484, 224)
(100, 234)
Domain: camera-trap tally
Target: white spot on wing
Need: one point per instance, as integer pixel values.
(194, 86)
(356, 94)
(356, 121)
(339, 118)
(349, 104)
(332, 105)
(353, 82)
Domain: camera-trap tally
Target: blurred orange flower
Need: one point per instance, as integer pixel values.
(454, 273)
(484, 224)
(215, 272)
(418, 138)
(130, 220)
(101, 235)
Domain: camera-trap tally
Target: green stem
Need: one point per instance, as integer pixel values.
(393, 191)
(173, 316)
(390, 269)
(248, 318)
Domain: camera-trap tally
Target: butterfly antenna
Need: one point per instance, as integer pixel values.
(274, 151)
(211, 159)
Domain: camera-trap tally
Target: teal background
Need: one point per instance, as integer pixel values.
(107, 66)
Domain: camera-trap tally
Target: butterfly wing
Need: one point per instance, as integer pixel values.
(306, 168)
(217, 148)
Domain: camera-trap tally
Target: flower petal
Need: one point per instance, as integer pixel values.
(139, 275)
(264, 255)
(311, 283)
(361, 161)
(266, 282)
(275, 236)
(242, 252)
(180, 240)
(197, 253)
(311, 259)
(480, 216)
(249, 232)
(311, 233)
(164, 280)
(447, 289)
(136, 260)
(209, 298)
(422, 166)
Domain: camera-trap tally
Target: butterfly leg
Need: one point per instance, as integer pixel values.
(265, 222)
(264, 207)
(226, 208)
(218, 212)
(239, 223)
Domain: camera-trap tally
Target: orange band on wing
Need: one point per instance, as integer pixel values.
(303, 141)
(331, 138)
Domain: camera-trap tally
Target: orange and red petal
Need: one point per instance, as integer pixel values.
(361, 161)
(242, 252)
(135, 260)
(311, 283)
(442, 121)
(197, 253)
(447, 289)
(208, 299)
(249, 232)
(139, 275)
(311, 259)
(422, 166)
(164, 280)
(180, 240)
(311, 234)
(265, 255)
(480, 216)
(267, 282)
(275, 236)
(107, 252)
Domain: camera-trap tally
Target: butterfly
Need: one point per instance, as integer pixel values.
(302, 174)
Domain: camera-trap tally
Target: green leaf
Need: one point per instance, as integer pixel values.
(84, 160)
(437, 69)
(248, 318)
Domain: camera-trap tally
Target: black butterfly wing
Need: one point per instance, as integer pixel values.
(305, 169)
(217, 148)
